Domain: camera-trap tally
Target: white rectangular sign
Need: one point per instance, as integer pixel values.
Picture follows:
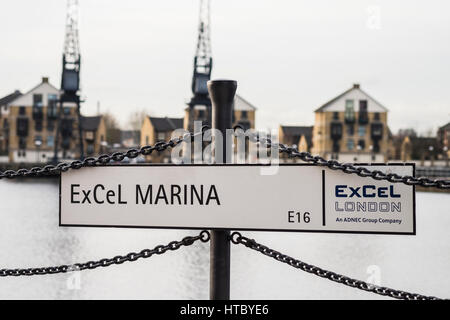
(291, 197)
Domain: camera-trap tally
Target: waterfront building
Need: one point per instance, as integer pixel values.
(155, 129)
(243, 113)
(94, 135)
(352, 127)
(443, 135)
(29, 127)
(4, 124)
(296, 136)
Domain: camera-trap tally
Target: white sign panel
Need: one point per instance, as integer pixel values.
(292, 197)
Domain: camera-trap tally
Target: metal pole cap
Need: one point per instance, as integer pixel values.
(222, 91)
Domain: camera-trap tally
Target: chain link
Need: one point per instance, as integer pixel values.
(237, 238)
(254, 137)
(203, 236)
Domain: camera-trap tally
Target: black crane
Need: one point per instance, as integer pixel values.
(70, 82)
(202, 69)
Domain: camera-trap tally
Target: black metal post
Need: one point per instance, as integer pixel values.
(221, 93)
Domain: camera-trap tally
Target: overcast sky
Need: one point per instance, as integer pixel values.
(289, 57)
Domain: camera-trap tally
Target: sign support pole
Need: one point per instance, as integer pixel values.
(222, 94)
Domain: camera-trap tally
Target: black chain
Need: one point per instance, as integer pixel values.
(132, 256)
(237, 238)
(345, 167)
(290, 151)
(101, 160)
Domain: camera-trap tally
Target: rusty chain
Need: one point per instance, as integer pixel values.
(132, 256)
(237, 238)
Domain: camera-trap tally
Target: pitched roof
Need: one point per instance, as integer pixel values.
(10, 97)
(166, 124)
(299, 131)
(242, 104)
(444, 127)
(355, 87)
(90, 123)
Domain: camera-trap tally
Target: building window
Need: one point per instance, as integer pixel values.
(38, 125)
(335, 115)
(22, 143)
(350, 130)
(52, 98)
(376, 147)
(244, 115)
(52, 106)
(37, 100)
(89, 135)
(50, 125)
(22, 111)
(349, 111)
(361, 131)
(147, 142)
(361, 144)
(66, 110)
(363, 116)
(350, 144)
(50, 141)
(376, 116)
(38, 141)
(90, 149)
(161, 136)
(336, 146)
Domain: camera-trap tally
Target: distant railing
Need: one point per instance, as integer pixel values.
(433, 172)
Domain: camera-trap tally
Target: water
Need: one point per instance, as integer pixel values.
(30, 237)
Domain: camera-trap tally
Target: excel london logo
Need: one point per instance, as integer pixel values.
(367, 198)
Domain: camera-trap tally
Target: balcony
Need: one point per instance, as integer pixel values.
(22, 126)
(336, 130)
(363, 118)
(376, 131)
(38, 114)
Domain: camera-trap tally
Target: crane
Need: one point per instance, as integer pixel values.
(70, 81)
(202, 68)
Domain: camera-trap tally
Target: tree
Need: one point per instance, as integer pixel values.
(112, 128)
(409, 132)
